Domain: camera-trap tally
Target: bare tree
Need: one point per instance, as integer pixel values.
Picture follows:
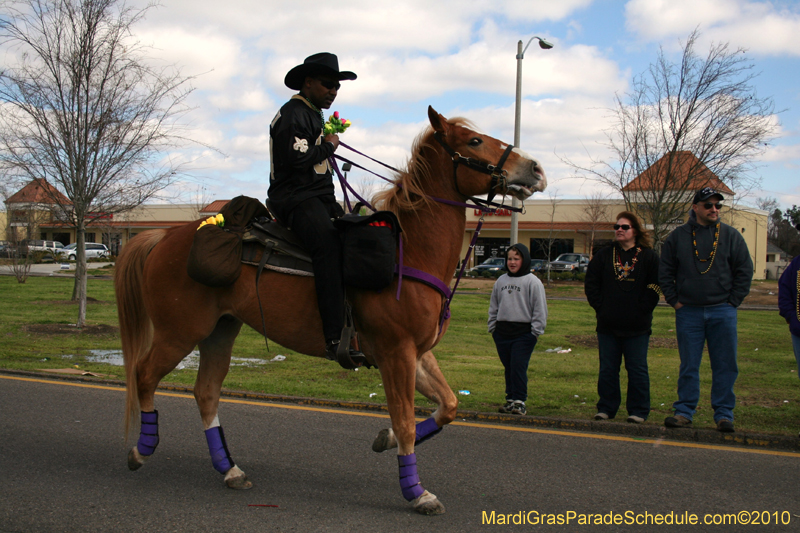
(681, 125)
(595, 214)
(769, 205)
(85, 109)
(551, 235)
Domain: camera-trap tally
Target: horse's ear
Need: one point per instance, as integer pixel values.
(437, 120)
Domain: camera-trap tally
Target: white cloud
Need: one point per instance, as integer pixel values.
(760, 27)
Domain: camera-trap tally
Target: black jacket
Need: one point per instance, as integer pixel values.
(623, 307)
(299, 168)
(728, 280)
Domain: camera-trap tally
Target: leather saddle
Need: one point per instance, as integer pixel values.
(285, 252)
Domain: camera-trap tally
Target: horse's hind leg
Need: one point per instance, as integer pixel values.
(430, 383)
(215, 358)
(159, 361)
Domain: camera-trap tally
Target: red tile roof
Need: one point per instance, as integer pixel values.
(215, 206)
(684, 162)
(38, 191)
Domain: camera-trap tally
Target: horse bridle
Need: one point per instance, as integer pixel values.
(498, 175)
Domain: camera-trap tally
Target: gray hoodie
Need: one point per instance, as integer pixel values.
(728, 279)
(518, 299)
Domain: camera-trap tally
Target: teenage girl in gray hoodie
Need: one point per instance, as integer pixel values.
(517, 316)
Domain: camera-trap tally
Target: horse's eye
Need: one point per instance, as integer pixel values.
(475, 141)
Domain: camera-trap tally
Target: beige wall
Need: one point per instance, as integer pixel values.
(752, 223)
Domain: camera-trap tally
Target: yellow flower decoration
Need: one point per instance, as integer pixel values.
(217, 220)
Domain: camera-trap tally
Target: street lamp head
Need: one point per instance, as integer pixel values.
(546, 45)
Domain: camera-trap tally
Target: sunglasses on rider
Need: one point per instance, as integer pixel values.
(710, 205)
(329, 84)
(623, 227)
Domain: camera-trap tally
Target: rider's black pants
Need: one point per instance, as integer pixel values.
(311, 220)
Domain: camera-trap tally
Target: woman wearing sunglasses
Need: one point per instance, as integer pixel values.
(622, 287)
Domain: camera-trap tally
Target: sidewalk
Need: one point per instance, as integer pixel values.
(51, 269)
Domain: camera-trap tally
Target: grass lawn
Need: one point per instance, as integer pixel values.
(34, 319)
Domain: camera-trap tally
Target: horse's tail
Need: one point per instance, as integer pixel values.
(135, 327)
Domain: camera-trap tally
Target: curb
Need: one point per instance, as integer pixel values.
(636, 431)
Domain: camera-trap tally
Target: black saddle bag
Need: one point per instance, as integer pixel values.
(369, 249)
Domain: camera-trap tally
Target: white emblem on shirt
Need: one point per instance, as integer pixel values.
(301, 145)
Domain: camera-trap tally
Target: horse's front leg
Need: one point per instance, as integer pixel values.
(398, 374)
(430, 383)
(215, 358)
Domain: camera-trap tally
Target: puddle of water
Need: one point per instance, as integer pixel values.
(192, 361)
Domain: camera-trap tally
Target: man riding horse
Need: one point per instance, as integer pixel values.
(301, 188)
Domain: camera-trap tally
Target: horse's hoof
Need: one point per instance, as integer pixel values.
(428, 504)
(135, 459)
(384, 441)
(237, 479)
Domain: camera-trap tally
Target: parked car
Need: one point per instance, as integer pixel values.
(29, 246)
(7, 251)
(93, 250)
(493, 264)
(570, 263)
(538, 265)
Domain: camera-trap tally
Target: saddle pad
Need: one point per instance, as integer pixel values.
(278, 262)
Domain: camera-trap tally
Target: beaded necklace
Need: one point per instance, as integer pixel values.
(713, 249)
(797, 306)
(315, 108)
(622, 272)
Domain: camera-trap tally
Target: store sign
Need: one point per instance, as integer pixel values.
(498, 213)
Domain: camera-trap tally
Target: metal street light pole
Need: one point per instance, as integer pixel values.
(517, 112)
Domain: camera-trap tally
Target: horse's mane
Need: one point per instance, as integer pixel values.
(406, 192)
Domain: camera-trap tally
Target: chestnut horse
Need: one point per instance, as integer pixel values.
(164, 314)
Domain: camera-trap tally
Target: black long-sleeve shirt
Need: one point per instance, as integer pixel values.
(623, 307)
(299, 168)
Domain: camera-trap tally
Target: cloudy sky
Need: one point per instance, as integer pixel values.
(459, 57)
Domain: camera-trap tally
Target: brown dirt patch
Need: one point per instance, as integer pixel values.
(69, 329)
(591, 341)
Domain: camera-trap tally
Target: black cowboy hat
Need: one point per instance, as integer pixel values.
(322, 63)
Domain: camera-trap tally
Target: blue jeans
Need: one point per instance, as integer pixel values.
(694, 326)
(515, 354)
(612, 350)
(796, 346)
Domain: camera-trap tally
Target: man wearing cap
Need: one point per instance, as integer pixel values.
(301, 188)
(705, 273)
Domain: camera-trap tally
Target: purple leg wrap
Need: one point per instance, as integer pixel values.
(426, 429)
(218, 448)
(148, 435)
(409, 480)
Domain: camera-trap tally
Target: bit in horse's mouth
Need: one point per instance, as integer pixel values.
(520, 191)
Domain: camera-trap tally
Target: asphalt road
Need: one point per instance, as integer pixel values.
(63, 468)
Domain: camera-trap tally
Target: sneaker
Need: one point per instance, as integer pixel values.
(633, 419)
(677, 421)
(724, 425)
(518, 408)
(505, 409)
(601, 416)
